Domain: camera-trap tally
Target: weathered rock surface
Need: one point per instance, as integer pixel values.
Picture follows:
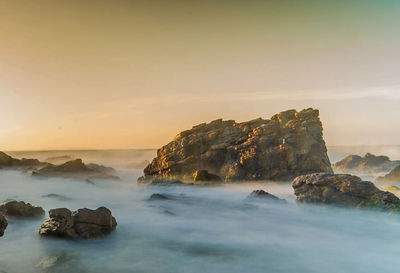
(368, 164)
(261, 194)
(343, 190)
(20, 209)
(76, 169)
(205, 176)
(3, 224)
(394, 175)
(287, 145)
(81, 224)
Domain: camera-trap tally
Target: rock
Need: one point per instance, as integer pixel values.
(20, 209)
(261, 194)
(3, 224)
(57, 196)
(392, 176)
(393, 189)
(81, 224)
(343, 190)
(204, 175)
(166, 182)
(9, 162)
(367, 164)
(158, 196)
(287, 145)
(76, 169)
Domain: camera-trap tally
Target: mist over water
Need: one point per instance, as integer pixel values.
(214, 229)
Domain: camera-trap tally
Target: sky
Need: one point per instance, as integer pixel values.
(100, 74)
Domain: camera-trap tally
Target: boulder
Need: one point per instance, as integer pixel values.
(392, 176)
(158, 196)
(204, 175)
(20, 209)
(367, 164)
(343, 190)
(81, 224)
(261, 194)
(3, 224)
(281, 148)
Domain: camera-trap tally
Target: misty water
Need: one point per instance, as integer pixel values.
(213, 229)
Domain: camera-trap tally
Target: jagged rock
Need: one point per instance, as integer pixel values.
(287, 145)
(393, 176)
(3, 224)
(76, 169)
(7, 161)
(261, 194)
(204, 175)
(368, 164)
(20, 209)
(83, 223)
(343, 190)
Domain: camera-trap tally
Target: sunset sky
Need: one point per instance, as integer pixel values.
(132, 74)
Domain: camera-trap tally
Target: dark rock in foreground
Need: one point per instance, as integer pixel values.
(76, 169)
(261, 194)
(3, 224)
(20, 209)
(81, 224)
(367, 164)
(287, 145)
(343, 190)
(205, 176)
(393, 176)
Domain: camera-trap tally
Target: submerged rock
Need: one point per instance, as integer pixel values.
(205, 176)
(261, 194)
(166, 182)
(57, 196)
(158, 196)
(343, 190)
(76, 169)
(83, 223)
(393, 175)
(20, 209)
(3, 224)
(367, 164)
(287, 145)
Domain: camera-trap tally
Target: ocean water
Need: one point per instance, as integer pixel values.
(213, 229)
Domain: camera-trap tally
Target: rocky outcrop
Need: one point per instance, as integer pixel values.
(367, 164)
(287, 145)
(343, 190)
(76, 169)
(3, 224)
(392, 176)
(71, 169)
(205, 176)
(261, 194)
(20, 209)
(8, 162)
(81, 224)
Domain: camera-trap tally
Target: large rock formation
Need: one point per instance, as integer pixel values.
(9, 162)
(367, 164)
(343, 190)
(392, 176)
(3, 224)
(81, 224)
(287, 145)
(20, 209)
